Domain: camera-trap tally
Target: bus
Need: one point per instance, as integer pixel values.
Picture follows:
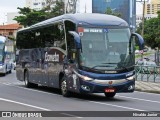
(5, 64)
(81, 53)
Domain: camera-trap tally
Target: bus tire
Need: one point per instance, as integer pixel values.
(110, 95)
(3, 74)
(64, 88)
(10, 71)
(26, 81)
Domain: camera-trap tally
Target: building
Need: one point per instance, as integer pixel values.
(40, 4)
(147, 17)
(36, 4)
(10, 29)
(152, 7)
(70, 5)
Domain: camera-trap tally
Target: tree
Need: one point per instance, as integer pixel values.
(49, 4)
(58, 9)
(109, 11)
(29, 17)
(151, 32)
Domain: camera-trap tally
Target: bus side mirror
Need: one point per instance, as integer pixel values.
(77, 39)
(140, 41)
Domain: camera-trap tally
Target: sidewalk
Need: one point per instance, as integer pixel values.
(147, 87)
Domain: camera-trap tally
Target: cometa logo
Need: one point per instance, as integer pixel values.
(53, 57)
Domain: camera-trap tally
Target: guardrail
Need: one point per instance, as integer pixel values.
(147, 73)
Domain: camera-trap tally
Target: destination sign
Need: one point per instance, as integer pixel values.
(94, 30)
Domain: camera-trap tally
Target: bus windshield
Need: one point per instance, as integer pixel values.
(106, 49)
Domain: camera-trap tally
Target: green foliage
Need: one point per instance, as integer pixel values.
(109, 11)
(151, 31)
(58, 9)
(29, 17)
(137, 47)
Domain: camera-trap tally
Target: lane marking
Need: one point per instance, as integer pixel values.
(32, 89)
(76, 98)
(24, 104)
(139, 99)
(147, 93)
(116, 106)
(7, 83)
(13, 83)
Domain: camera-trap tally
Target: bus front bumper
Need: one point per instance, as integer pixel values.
(100, 86)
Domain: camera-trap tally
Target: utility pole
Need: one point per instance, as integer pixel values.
(143, 16)
(144, 5)
(142, 32)
(85, 9)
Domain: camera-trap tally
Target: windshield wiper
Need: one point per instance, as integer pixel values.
(109, 63)
(101, 66)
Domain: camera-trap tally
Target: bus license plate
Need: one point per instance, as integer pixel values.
(109, 90)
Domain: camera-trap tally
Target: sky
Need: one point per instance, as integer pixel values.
(11, 6)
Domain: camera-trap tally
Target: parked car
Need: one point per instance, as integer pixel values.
(145, 49)
(137, 51)
(146, 66)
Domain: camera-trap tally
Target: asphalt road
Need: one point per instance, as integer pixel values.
(14, 96)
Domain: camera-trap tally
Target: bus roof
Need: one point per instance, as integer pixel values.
(84, 19)
(2, 39)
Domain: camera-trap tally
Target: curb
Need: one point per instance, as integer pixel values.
(148, 91)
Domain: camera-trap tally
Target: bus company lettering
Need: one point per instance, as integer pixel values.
(52, 57)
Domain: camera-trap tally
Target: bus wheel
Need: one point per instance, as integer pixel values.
(110, 95)
(4, 74)
(27, 83)
(26, 80)
(64, 89)
(10, 71)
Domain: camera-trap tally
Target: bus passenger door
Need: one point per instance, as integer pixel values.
(72, 65)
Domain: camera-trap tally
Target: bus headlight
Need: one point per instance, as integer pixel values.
(131, 78)
(85, 77)
(1, 67)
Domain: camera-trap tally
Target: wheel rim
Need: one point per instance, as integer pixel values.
(64, 87)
